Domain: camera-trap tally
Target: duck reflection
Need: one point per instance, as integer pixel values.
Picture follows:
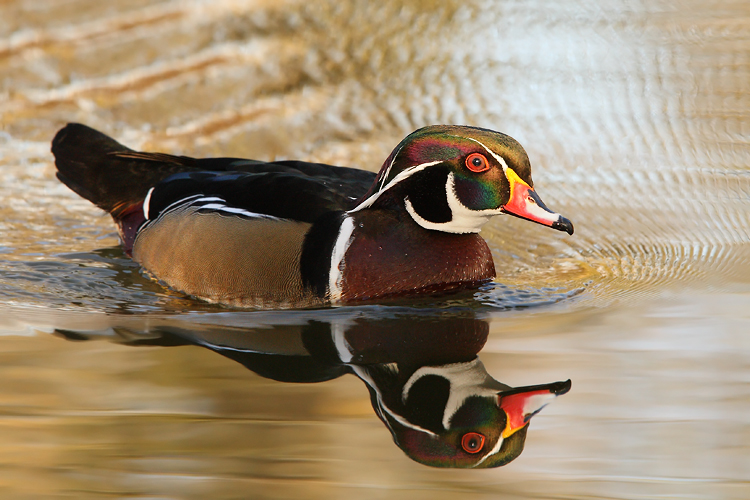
(426, 382)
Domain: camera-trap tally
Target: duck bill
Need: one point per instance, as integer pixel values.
(526, 204)
(522, 403)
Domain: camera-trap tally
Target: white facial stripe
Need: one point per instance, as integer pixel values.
(401, 420)
(494, 450)
(532, 208)
(388, 170)
(463, 219)
(497, 157)
(362, 374)
(532, 405)
(336, 273)
(400, 177)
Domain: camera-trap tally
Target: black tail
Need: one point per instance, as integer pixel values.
(108, 174)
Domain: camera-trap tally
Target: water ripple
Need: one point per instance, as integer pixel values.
(643, 143)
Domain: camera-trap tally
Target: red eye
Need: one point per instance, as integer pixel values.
(472, 442)
(477, 162)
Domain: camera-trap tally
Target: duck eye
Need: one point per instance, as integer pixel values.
(472, 442)
(477, 162)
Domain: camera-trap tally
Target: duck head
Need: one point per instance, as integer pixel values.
(457, 415)
(455, 178)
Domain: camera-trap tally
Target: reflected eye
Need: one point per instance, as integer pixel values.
(472, 442)
(477, 162)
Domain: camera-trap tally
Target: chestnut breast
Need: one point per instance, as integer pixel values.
(391, 255)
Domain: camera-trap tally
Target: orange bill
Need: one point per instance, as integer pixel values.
(526, 204)
(522, 403)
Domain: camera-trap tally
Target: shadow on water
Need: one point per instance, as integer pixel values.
(426, 381)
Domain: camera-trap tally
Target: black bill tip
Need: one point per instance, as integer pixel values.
(560, 388)
(563, 224)
(556, 388)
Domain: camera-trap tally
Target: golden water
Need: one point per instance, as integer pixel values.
(636, 117)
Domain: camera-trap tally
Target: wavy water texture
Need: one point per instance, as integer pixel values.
(636, 118)
(641, 154)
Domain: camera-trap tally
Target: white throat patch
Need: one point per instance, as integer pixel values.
(463, 219)
(467, 379)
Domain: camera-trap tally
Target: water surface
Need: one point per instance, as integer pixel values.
(635, 117)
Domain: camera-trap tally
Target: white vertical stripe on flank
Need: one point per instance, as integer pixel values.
(336, 274)
(147, 202)
(344, 350)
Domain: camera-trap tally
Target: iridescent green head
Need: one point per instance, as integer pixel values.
(454, 178)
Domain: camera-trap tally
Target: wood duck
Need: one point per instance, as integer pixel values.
(426, 383)
(295, 234)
